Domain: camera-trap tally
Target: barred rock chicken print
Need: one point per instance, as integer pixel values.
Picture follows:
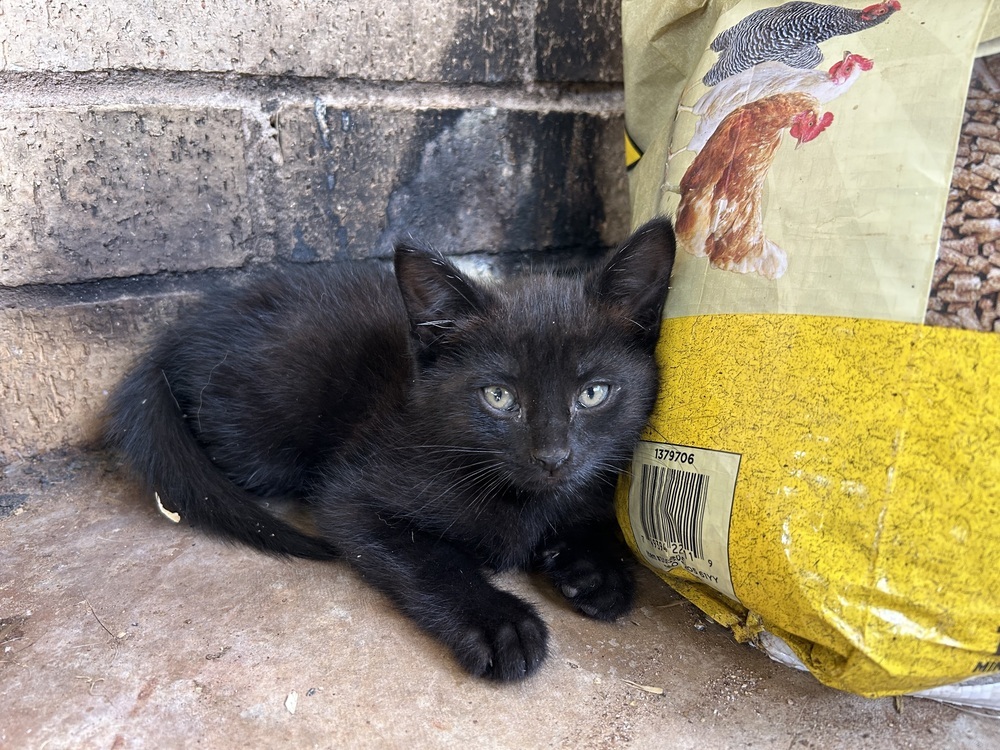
(720, 213)
(789, 33)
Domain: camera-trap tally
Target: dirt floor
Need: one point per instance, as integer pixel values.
(119, 629)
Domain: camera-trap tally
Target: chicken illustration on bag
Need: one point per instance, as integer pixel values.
(763, 84)
(768, 79)
(789, 33)
(720, 214)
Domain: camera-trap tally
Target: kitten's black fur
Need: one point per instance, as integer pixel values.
(433, 427)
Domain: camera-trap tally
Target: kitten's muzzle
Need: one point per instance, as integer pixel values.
(550, 459)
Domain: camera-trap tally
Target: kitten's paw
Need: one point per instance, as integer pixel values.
(504, 639)
(600, 587)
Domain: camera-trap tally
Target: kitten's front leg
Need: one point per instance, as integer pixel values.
(494, 634)
(591, 567)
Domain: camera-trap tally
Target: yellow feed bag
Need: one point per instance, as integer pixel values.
(821, 464)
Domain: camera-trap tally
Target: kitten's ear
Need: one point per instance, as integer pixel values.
(637, 276)
(435, 293)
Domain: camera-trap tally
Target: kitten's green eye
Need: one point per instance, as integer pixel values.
(499, 398)
(594, 394)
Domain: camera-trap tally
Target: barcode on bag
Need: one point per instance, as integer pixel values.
(673, 507)
(680, 503)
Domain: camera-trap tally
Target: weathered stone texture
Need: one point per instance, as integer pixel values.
(463, 180)
(96, 192)
(57, 364)
(577, 40)
(449, 40)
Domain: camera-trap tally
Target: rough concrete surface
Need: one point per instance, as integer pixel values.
(566, 40)
(58, 362)
(463, 180)
(449, 40)
(98, 192)
(94, 193)
(336, 38)
(119, 629)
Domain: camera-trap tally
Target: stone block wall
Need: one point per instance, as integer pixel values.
(148, 150)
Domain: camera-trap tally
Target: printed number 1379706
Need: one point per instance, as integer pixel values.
(669, 454)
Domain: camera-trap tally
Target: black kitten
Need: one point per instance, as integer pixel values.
(428, 427)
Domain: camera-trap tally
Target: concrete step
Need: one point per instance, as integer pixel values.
(120, 629)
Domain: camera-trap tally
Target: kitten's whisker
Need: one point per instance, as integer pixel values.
(456, 483)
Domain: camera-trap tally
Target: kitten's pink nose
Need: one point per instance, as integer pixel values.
(550, 458)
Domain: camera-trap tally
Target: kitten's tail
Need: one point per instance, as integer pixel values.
(145, 425)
